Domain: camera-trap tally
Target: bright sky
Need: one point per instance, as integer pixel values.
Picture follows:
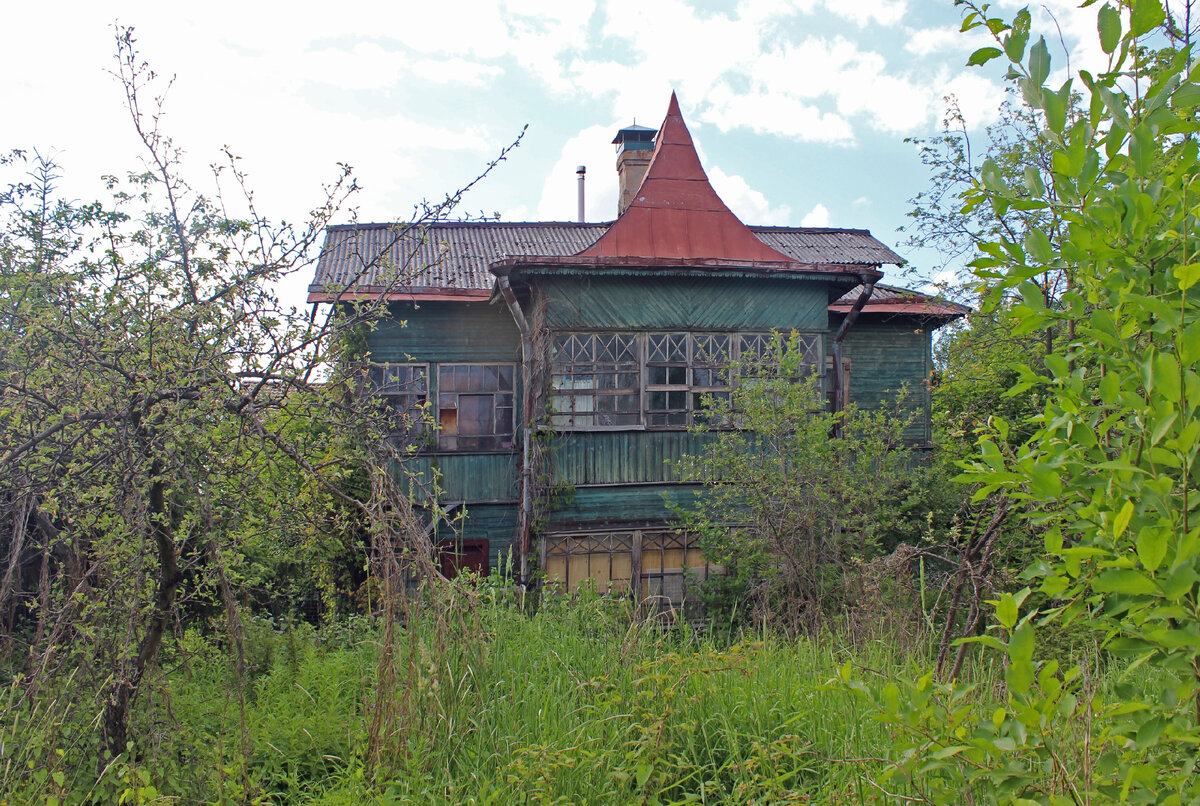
(799, 107)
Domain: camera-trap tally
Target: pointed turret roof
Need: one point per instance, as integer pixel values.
(677, 215)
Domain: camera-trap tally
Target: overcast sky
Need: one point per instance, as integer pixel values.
(799, 107)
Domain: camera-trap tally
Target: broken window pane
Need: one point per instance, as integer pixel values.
(402, 390)
(475, 406)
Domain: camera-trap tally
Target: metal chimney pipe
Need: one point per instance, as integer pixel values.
(581, 171)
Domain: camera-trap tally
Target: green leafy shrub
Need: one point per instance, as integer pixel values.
(790, 513)
(1107, 473)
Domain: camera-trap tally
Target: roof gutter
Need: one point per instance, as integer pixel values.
(839, 394)
(525, 521)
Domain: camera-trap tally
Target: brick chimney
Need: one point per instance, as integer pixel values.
(635, 147)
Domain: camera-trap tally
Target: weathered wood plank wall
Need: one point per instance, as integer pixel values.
(628, 476)
(886, 354)
(616, 457)
(453, 332)
(620, 504)
(445, 332)
(496, 524)
(614, 303)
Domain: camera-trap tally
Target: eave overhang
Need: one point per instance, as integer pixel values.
(681, 267)
(934, 312)
(391, 294)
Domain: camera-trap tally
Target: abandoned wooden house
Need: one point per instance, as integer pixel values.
(562, 363)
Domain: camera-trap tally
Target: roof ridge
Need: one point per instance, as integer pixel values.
(371, 225)
(786, 228)
(374, 225)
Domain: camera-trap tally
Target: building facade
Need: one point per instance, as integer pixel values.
(563, 365)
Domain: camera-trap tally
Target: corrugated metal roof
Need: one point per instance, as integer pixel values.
(890, 299)
(813, 245)
(453, 257)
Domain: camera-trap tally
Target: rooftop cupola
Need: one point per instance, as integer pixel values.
(671, 213)
(635, 147)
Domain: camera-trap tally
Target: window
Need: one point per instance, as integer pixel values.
(683, 370)
(667, 382)
(654, 380)
(475, 407)
(403, 390)
(594, 379)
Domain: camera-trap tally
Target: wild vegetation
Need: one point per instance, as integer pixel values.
(793, 517)
(208, 589)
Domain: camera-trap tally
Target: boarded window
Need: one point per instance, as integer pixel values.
(475, 407)
(604, 560)
(455, 556)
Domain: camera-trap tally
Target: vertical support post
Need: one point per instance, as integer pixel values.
(525, 515)
(635, 567)
(544, 556)
(525, 521)
(847, 323)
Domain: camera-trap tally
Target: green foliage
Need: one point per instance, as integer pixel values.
(1107, 472)
(791, 513)
(175, 442)
(567, 705)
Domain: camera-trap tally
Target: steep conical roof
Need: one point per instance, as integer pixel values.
(676, 214)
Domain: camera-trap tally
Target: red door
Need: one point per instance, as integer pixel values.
(455, 555)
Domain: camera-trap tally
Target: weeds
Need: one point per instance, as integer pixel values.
(567, 704)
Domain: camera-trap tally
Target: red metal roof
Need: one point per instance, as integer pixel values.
(676, 214)
(891, 300)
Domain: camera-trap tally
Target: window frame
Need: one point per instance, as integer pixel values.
(595, 392)
(439, 393)
(413, 433)
(667, 382)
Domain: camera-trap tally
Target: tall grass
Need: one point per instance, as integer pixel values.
(570, 704)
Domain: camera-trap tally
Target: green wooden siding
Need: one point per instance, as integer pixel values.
(468, 476)
(624, 477)
(615, 303)
(599, 506)
(495, 524)
(621, 457)
(456, 332)
(446, 332)
(886, 355)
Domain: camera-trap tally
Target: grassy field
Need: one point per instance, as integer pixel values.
(569, 705)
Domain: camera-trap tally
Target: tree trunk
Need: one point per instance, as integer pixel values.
(115, 723)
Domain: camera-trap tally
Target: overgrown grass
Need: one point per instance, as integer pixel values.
(568, 705)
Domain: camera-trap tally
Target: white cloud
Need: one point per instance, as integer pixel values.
(978, 98)
(883, 12)
(941, 41)
(748, 204)
(816, 217)
(363, 66)
(759, 11)
(749, 68)
(517, 213)
(461, 72)
(762, 112)
(592, 148)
